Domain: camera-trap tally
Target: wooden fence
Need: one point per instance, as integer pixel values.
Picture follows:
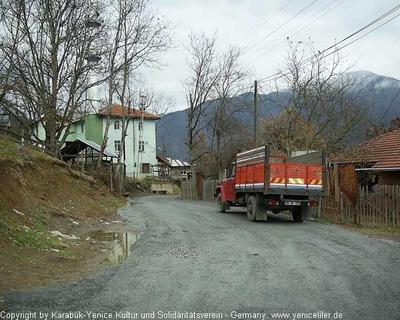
(190, 190)
(378, 208)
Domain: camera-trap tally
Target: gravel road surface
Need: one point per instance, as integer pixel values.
(192, 259)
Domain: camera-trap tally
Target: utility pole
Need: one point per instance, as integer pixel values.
(255, 112)
(142, 107)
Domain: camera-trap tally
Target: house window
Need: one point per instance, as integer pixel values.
(117, 145)
(140, 125)
(141, 146)
(145, 167)
(116, 125)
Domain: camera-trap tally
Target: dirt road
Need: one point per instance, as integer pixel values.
(190, 258)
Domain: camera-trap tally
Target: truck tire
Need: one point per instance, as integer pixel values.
(252, 209)
(297, 215)
(222, 205)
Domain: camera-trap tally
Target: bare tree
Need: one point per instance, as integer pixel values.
(47, 45)
(231, 87)
(138, 36)
(155, 103)
(5, 69)
(319, 94)
(200, 87)
(377, 130)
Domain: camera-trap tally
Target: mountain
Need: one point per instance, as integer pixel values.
(377, 95)
(380, 91)
(172, 132)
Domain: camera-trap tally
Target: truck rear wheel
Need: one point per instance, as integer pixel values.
(222, 205)
(252, 209)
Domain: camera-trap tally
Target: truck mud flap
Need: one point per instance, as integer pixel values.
(261, 214)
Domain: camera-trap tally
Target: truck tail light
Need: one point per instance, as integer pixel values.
(313, 203)
(273, 203)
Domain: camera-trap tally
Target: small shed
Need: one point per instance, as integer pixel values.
(174, 169)
(85, 152)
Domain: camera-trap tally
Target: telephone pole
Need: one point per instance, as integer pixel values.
(142, 107)
(255, 112)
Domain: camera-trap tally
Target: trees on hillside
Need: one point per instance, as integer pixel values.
(293, 138)
(320, 104)
(317, 101)
(137, 37)
(215, 82)
(46, 45)
(224, 126)
(200, 88)
(377, 130)
(51, 50)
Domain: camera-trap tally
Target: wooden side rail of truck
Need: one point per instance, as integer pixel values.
(266, 182)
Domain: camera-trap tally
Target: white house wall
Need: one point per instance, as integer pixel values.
(134, 159)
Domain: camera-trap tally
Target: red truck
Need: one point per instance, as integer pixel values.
(267, 182)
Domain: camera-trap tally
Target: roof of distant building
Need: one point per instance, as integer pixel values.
(177, 163)
(382, 152)
(116, 111)
(174, 163)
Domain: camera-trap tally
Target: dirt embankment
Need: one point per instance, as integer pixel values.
(48, 216)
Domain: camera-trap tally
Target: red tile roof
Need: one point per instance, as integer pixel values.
(382, 152)
(116, 111)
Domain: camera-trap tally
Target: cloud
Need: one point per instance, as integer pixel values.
(249, 23)
(387, 83)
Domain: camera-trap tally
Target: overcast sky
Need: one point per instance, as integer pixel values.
(252, 24)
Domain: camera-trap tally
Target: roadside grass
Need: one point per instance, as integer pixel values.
(15, 153)
(9, 151)
(373, 231)
(35, 236)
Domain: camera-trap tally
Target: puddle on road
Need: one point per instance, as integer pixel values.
(121, 243)
(122, 246)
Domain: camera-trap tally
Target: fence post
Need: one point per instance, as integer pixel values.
(396, 204)
(336, 181)
(341, 206)
(319, 207)
(394, 213)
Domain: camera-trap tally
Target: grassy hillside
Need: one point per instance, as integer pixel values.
(38, 195)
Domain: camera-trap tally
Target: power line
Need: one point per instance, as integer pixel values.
(358, 31)
(293, 34)
(366, 26)
(266, 21)
(282, 25)
(360, 37)
(279, 75)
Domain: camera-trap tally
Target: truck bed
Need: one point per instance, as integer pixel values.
(260, 171)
